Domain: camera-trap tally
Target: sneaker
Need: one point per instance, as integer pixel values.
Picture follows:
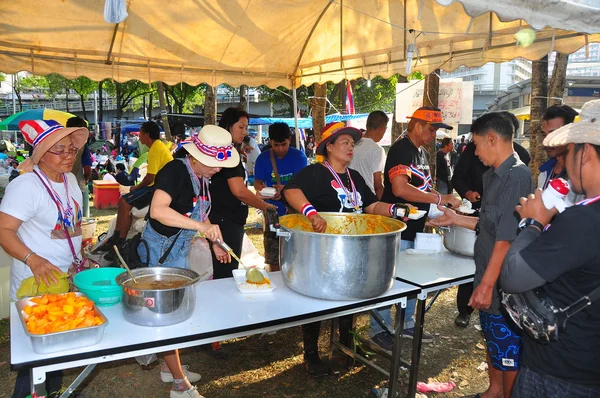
(192, 392)
(410, 333)
(383, 340)
(192, 377)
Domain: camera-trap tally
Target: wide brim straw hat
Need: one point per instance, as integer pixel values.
(212, 147)
(585, 131)
(335, 129)
(44, 134)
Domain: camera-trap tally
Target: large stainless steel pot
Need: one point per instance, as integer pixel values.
(158, 307)
(459, 240)
(355, 258)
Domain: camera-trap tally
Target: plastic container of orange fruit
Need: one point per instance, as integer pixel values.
(86, 332)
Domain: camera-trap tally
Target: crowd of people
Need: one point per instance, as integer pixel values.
(202, 187)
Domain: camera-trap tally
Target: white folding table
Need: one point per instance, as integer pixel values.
(430, 272)
(221, 313)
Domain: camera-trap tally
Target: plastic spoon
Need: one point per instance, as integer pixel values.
(124, 264)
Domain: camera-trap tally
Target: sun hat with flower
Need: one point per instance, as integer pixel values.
(335, 129)
(44, 134)
(212, 147)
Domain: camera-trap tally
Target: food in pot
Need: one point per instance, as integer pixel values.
(348, 225)
(157, 282)
(53, 313)
(29, 287)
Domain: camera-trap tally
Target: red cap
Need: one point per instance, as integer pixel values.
(560, 185)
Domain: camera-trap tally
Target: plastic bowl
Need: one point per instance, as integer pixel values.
(100, 286)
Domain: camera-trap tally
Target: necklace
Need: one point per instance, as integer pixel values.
(352, 197)
(201, 191)
(66, 213)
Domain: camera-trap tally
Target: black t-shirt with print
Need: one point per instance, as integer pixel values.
(224, 203)
(324, 193)
(175, 180)
(566, 255)
(405, 159)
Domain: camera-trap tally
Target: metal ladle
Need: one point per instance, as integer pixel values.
(229, 250)
(124, 264)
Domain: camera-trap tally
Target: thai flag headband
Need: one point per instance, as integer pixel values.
(220, 153)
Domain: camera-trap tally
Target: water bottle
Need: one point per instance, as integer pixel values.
(554, 195)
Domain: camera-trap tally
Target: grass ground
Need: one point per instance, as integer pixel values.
(271, 366)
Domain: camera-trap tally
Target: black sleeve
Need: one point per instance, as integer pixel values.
(517, 276)
(171, 178)
(441, 166)
(569, 243)
(462, 172)
(302, 180)
(398, 160)
(237, 171)
(523, 154)
(368, 197)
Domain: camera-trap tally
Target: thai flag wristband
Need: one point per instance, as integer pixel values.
(308, 210)
(392, 210)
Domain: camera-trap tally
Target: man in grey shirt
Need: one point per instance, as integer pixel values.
(507, 180)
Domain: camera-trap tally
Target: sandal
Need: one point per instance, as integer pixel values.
(315, 367)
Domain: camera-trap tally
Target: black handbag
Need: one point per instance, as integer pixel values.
(129, 252)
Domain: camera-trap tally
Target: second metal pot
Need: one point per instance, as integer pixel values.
(158, 307)
(459, 240)
(355, 258)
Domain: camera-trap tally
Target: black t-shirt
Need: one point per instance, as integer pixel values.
(443, 171)
(324, 193)
(224, 203)
(175, 180)
(567, 257)
(406, 159)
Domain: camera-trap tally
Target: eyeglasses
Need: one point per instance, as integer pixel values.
(64, 153)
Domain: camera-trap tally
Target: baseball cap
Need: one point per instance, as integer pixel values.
(430, 115)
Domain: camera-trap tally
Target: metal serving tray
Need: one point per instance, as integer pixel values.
(67, 340)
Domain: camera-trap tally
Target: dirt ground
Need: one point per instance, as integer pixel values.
(271, 365)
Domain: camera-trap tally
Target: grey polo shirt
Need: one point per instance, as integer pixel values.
(498, 220)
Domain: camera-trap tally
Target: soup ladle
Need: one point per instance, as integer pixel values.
(124, 264)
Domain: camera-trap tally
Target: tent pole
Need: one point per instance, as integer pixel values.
(295, 102)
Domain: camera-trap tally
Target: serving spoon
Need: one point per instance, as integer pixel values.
(124, 264)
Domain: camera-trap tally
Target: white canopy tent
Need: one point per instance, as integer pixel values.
(278, 42)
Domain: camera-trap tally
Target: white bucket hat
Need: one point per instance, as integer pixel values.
(585, 131)
(212, 147)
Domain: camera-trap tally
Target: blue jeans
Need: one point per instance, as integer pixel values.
(386, 314)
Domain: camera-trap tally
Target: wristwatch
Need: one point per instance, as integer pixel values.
(524, 223)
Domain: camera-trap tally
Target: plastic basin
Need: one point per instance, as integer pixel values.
(100, 286)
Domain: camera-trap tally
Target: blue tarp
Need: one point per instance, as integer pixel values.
(305, 122)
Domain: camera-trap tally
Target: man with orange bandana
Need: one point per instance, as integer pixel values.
(407, 179)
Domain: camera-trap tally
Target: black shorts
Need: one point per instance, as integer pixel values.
(139, 198)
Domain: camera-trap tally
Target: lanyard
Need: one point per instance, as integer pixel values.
(586, 202)
(66, 214)
(201, 191)
(354, 197)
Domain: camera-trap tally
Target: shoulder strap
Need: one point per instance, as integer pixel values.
(163, 258)
(272, 156)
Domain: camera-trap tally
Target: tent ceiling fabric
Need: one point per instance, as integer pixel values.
(580, 15)
(254, 42)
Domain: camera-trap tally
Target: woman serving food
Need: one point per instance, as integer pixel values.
(175, 220)
(40, 218)
(332, 187)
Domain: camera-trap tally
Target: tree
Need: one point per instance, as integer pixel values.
(210, 105)
(84, 87)
(58, 85)
(126, 93)
(317, 104)
(558, 80)
(186, 97)
(539, 104)
(283, 96)
(432, 89)
(28, 82)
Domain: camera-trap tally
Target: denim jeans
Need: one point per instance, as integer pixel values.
(386, 314)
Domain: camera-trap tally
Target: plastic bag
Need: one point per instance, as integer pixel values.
(146, 360)
(115, 11)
